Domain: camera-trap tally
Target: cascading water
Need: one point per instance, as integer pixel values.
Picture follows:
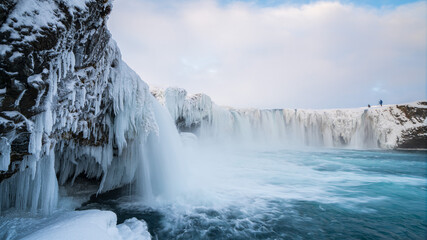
(306, 193)
(286, 190)
(161, 169)
(290, 128)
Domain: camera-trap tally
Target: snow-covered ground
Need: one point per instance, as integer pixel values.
(74, 225)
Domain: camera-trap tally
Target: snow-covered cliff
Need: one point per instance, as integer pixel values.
(69, 106)
(391, 126)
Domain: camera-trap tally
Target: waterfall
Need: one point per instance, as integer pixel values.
(289, 128)
(161, 169)
(358, 128)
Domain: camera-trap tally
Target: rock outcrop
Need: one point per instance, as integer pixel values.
(414, 136)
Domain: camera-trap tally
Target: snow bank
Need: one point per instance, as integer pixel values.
(77, 225)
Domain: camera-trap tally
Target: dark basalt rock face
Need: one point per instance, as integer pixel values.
(413, 138)
(29, 55)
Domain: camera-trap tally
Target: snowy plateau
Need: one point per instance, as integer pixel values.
(72, 111)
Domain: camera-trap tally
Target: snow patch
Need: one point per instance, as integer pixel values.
(4, 49)
(15, 55)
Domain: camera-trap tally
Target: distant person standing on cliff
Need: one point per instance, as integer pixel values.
(381, 102)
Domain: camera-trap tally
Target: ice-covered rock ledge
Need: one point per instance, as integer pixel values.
(387, 127)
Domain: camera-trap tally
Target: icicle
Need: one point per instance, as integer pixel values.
(4, 154)
(32, 190)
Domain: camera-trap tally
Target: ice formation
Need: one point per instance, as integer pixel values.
(376, 127)
(134, 141)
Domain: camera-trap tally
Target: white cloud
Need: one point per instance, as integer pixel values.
(320, 55)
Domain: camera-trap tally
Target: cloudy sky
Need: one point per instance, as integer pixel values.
(278, 53)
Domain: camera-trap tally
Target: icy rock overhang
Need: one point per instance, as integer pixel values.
(387, 127)
(69, 105)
